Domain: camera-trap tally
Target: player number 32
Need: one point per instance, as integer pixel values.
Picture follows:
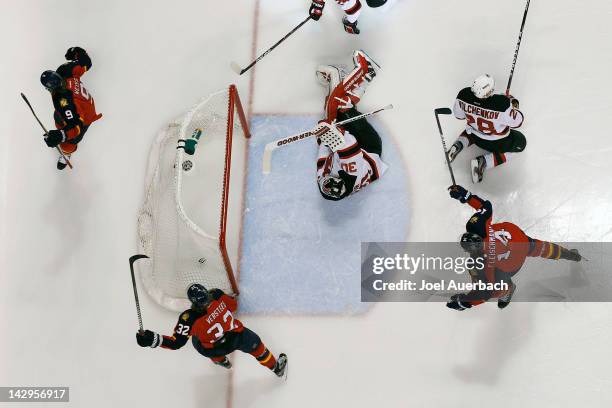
(217, 329)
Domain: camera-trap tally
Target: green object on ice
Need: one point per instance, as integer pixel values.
(190, 144)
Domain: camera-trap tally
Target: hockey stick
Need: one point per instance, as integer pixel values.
(444, 111)
(45, 129)
(270, 147)
(133, 259)
(236, 68)
(518, 46)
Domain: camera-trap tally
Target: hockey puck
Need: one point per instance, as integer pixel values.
(187, 165)
(202, 260)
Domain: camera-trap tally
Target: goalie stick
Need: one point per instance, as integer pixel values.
(44, 129)
(236, 68)
(444, 111)
(270, 147)
(518, 46)
(133, 259)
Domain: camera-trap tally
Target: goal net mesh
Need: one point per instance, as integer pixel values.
(189, 224)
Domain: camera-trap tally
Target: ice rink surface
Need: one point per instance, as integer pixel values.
(67, 309)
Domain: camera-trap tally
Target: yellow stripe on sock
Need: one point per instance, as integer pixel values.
(265, 360)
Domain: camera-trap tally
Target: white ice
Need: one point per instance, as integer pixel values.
(68, 316)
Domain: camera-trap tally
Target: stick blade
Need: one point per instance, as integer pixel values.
(134, 258)
(443, 111)
(236, 68)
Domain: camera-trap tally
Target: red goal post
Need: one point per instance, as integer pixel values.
(191, 219)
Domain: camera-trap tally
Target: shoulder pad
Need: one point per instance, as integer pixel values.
(216, 293)
(500, 103)
(465, 94)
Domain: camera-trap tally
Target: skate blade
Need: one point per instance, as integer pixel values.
(474, 170)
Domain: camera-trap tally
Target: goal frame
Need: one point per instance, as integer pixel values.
(235, 105)
(164, 180)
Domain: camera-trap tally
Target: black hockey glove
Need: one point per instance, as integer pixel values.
(514, 102)
(73, 53)
(148, 338)
(55, 137)
(456, 303)
(316, 9)
(459, 193)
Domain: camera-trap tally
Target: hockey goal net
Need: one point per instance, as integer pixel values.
(190, 222)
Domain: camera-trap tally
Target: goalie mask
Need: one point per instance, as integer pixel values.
(198, 296)
(333, 187)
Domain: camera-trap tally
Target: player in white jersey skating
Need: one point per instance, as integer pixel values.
(349, 156)
(491, 123)
(351, 8)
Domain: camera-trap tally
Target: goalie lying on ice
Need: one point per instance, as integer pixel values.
(349, 156)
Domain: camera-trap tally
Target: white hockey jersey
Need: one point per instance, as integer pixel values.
(490, 118)
(354, 165)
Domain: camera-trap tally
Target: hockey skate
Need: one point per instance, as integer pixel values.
(576, 257)
(280, 369)
(478, 166)
(504, 301)
(359, 56)
(454, 151)
(225, 363)
(349, 27)
(62, 163)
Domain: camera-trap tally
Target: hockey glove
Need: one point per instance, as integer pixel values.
(316, 9)
(73, 53)
(55, 137)
(148, 338)
(459, 193)
(515, 102)
(456, 303)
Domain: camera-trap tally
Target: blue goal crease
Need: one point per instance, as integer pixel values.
(301, 253)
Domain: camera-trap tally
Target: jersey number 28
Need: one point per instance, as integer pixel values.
(482, 125)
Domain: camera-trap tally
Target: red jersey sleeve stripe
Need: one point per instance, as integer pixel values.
(373, 165)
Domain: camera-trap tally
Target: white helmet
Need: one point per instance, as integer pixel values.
(483, 86)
